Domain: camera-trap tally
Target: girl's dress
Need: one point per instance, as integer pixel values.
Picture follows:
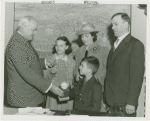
(62, 71)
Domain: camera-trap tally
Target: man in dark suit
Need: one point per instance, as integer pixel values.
(26, 84)
(125, 67)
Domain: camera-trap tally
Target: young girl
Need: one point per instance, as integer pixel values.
(61, 70)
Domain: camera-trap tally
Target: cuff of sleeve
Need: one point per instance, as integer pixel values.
(132, 101)
(45, 64)
(49, 88)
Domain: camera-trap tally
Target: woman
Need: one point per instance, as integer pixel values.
(61, 70)
(91, 48)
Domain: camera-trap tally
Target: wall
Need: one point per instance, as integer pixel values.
(139, 23)
(138, 30)
(9, 20)
(66, 19)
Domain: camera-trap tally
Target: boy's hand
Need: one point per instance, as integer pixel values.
(78, 76)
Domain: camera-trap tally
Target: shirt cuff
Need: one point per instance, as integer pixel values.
(45, 64)
(49, 88)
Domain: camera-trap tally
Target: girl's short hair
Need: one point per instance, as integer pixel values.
(65, 39)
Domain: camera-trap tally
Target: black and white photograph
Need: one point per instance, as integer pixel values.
(78, 59)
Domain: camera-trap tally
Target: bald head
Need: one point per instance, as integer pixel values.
(27, 26)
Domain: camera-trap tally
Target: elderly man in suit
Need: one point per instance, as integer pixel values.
(125, 67)
(26, 84)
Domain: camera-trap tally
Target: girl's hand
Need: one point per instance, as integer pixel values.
(50, 62)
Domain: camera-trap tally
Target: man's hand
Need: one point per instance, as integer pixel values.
(130, 109)
(56, 90)
(78, 76)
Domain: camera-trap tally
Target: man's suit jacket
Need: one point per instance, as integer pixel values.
(26, 84)
(125, 70)
(87, 96)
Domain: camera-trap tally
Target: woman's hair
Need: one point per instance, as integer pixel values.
(65, 39)
(78, 42)
(94, 34)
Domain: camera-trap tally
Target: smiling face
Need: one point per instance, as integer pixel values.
(87, 39)
(119, 26)
(61, 47)
(29, 30)
(84, 70)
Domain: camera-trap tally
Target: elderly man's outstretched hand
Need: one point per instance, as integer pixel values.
(56, 90)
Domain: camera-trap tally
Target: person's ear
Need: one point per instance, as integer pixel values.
(77, 46)
(24, 26)
(126, 24)
(89, 70)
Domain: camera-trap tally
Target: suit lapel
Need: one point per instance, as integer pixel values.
(87, 84)
(120, 47)
(110, 56)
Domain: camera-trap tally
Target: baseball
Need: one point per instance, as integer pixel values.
(64, 85)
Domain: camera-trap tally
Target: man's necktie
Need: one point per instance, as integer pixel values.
(115, 44)
(86, 53)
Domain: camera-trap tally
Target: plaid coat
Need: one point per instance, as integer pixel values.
(26, 84)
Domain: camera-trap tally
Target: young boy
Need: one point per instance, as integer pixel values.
(88, 91)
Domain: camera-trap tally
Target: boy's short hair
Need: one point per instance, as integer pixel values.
(92, 63)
